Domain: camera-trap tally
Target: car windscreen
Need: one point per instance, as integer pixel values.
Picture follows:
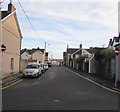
(32, 66)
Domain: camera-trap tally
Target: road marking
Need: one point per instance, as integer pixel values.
(10, 85)
(90, 80)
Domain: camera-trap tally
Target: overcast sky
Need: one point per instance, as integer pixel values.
(65, 23)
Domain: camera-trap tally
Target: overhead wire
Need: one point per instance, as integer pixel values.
(28, 18)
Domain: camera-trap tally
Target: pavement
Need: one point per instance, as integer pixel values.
(11, 78)
(101, 80)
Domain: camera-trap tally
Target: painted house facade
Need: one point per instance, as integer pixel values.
(77, 54)
(32, 54)
(25, 55)
(11, 38)
(69, 51)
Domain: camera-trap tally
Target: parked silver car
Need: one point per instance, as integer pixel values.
(42, 67)
(45, 66)
(33, 70)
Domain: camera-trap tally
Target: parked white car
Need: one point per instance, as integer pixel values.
(33, 70)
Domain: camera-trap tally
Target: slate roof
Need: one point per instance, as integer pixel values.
(72, 50)
(22, 51)
(31, 51)
(4, 14)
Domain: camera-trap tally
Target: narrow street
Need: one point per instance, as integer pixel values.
(58, 89)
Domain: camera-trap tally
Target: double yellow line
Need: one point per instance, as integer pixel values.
(10, 84)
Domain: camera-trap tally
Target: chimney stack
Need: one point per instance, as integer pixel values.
(81, 46)
(67, 46)
(11, 8)
(38, 48)
(110, 43)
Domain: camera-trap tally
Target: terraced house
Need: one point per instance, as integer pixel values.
(34, 55)
(11, 38)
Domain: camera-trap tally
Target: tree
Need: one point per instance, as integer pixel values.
(104, 57)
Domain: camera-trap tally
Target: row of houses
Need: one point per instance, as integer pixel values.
(72, 54)
(36, 54)
(13, 59)
(33, 55)
(89, 63)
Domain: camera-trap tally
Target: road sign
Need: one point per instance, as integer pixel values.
(117, 51)
(3, 47)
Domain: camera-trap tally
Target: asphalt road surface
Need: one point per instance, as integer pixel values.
(58, 89)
